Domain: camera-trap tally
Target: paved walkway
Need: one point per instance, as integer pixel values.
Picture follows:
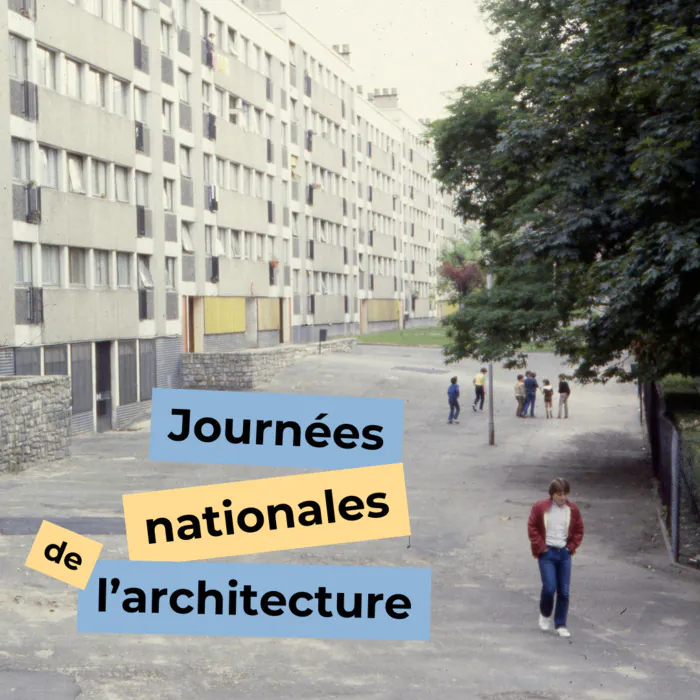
(634, 617)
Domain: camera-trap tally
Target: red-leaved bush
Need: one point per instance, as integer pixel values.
(465, 277)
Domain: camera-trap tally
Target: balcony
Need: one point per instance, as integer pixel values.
(29, 306)
(167, 70)
(24, 100)
(143, 140)
(144, 222)
(26, 203)
(189, 263)
(172, 306)
(210, 126)
(140, 55)
(212, 268)
(26, 8)
(146, 297)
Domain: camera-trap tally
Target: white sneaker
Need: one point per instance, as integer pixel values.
(545, 623)
(563, 632)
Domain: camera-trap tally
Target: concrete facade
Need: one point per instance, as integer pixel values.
(35, 420)
(167, 154)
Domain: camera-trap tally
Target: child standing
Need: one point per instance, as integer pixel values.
(548, 393)
(564, 392)
(452, 398)
(520, 395)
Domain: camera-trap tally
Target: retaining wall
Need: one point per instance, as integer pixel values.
(245, 369)
(35, 420)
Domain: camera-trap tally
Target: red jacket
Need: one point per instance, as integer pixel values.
(537, 527)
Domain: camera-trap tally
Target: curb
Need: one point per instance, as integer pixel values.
(397, 345)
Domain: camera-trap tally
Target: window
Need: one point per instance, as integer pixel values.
(141, 189)
(120, 99)
(258, 184)
(18, 57)
(121, 183)
(184, 86)
(232, 42)
(101, 268)
(96, 88)
(96, 7)
(168, 194)
(119, 13)
(27, 361)
(222, 242)
(260, 246)
(139, 22)
(182, 10)
(207, 169)
(206, 94)
(123, 270)
(165, 38)
(167, 115)
(170, 273)
(248, 246)
(127, 372)
(55, 359)
(76, 182)
(208, 240)
(140, 105)
(76, 266)
(99, 178)
(51, 265)
(220, 172)
(23, 264)
(73, 87)
(220, 102)
(236, 244)
(46, 67)
(144, 270)
(20, 160)
(185, 161)
(234, 174)
(187, 243)
(49, 167)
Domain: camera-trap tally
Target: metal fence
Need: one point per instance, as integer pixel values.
(676, 464)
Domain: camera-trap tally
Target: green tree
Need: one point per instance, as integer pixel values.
(580, 159)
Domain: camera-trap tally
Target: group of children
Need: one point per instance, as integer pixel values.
(526, 388)
(525, 394)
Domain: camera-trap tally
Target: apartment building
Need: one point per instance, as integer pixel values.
(196, 176)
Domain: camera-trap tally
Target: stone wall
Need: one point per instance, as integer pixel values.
(35, 420)
(246, 369)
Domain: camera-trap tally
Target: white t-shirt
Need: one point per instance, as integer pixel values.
(556, 526)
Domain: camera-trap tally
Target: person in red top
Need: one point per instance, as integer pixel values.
(555, 529)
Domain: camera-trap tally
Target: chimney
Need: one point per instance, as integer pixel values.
(386, 98)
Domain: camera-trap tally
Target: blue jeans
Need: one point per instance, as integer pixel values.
(555, 570)
(529, 402)
(454, 410)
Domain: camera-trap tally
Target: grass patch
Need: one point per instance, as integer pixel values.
(434, 336)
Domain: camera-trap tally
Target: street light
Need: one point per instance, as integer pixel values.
(492, 428)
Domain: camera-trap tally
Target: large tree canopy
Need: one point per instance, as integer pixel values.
(580, 158)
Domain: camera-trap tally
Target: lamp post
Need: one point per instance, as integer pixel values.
(492, 428)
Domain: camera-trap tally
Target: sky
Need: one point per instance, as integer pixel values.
(424, 48)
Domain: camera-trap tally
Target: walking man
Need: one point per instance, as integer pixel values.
(531, 387)
(564, 393)
(479, 388)
(555, 529)
(452, 398)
